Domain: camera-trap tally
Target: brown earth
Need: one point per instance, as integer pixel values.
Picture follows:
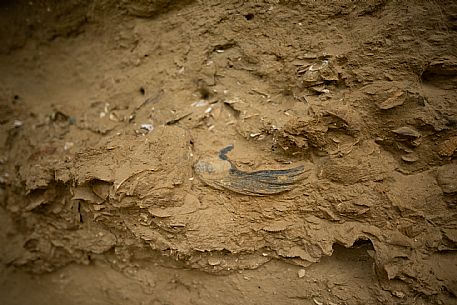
(107, 106)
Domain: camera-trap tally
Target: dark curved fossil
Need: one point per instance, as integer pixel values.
(221, 173)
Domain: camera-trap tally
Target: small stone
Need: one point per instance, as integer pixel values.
(407, 132)
(410, 158)
(398, 294)
(393, 101)
(301, 273)
(3, 180)
(200, 103)
(113, 117)
(147, 127)
(17, 123)
(214, 261)
(68, 145)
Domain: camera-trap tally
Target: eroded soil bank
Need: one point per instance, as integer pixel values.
(228, 152)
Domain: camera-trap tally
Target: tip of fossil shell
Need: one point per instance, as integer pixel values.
(212, 166)
(203, 167)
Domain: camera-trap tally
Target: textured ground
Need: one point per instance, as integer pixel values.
(106, 109)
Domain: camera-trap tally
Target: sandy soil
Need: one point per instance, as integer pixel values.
(228, 152)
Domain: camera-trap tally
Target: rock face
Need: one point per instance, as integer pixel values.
(150, 8)
(447, 178)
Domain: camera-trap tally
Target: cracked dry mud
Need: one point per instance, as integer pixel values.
(340, 186)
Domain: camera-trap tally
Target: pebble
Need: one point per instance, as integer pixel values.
(147, 127)
(393, 101)
(407, 131)
(398, 294)
(68, 145)
(214, 261)
(410, 158)
(17, 123)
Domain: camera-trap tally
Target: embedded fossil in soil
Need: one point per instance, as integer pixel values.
(221, 173)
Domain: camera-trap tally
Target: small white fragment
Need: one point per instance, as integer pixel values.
(147, 127)
(68, 145)
(143, 218)
(398, 294)
(200, 103)
(209, 109)
(17, 123)
(4, 179)
(191, 179)
(113, 117)
(211, 127)
(220, 51)
(301, 273)
(318, 302)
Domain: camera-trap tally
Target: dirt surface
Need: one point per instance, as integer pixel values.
(228, 152)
